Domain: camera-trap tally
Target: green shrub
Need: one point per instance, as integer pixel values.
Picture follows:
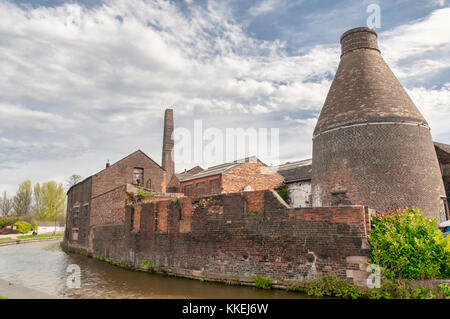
(9, 221)
(332, 287)
(101, 258)
(445, 289)
(406, 244)
(262, 282)
(22, 227)
(284, 193)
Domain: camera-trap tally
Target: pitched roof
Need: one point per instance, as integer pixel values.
(442, 146)
(189, 172)
(218, 169)
(129, 155)
(295, 171)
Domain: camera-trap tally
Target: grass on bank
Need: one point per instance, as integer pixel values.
(1, 297)
(6, 239)
(39, 236)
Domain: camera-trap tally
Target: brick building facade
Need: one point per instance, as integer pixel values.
(248, 174)
(137, 168)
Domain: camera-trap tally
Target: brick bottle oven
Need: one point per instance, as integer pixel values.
(371, 145)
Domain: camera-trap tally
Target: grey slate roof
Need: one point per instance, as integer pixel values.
(295, 171)
(442, 146)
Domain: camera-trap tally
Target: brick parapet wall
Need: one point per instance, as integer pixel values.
(214, 238)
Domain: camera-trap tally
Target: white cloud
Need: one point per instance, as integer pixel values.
(76, 91)
(435, 106)
(419, 49)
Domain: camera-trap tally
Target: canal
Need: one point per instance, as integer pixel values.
(43, 266)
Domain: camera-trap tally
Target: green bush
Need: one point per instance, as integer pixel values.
(22, 227)
(262, 282)
(445, 289)
(332, 287)
(9, 221)
(284, 193)
(406, 244)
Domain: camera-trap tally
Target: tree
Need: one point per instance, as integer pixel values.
(6, 204)
(53, 200)
(22, 200)
(74, 179)
(38, 204)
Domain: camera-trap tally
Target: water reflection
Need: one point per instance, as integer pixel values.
(43, 266)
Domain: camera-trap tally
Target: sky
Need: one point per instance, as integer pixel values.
(83, 82)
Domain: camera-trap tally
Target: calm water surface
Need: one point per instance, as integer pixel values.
(43, 266)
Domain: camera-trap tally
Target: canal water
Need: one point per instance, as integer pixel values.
(43, 266)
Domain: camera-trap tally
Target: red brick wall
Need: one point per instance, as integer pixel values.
(214, 237)
(209, 185)
(109, 208)
(253, 174)
(122, 172)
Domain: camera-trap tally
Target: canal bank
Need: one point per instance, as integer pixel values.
(29, 240)
(11, 290)
(44, 267)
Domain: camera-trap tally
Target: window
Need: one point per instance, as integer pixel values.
(75, 216)
(200, 189)
(138, 176)
(75, 235)
(188, 190)
(214, 186)
(149, 184)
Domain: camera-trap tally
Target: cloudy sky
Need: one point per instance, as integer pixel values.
(83, 82)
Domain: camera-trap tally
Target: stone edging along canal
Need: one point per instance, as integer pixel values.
(28, 240)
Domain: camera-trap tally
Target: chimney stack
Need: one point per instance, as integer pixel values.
(168, 144)
(107, 164)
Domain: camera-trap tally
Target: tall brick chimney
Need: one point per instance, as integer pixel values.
(168, 143)
(370, 142)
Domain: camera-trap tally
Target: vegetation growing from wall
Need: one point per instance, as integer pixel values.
(405, 244)
(262, 282)
(284, 193)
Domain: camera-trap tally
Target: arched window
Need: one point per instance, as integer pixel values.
(148, 184)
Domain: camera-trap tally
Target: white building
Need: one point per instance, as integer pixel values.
(297, 177)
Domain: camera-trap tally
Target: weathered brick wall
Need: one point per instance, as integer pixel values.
(78, 212)
(256, 175)
(380, 166)
(202, 186)
(213, 237)
(122, 172)
(109, 208)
